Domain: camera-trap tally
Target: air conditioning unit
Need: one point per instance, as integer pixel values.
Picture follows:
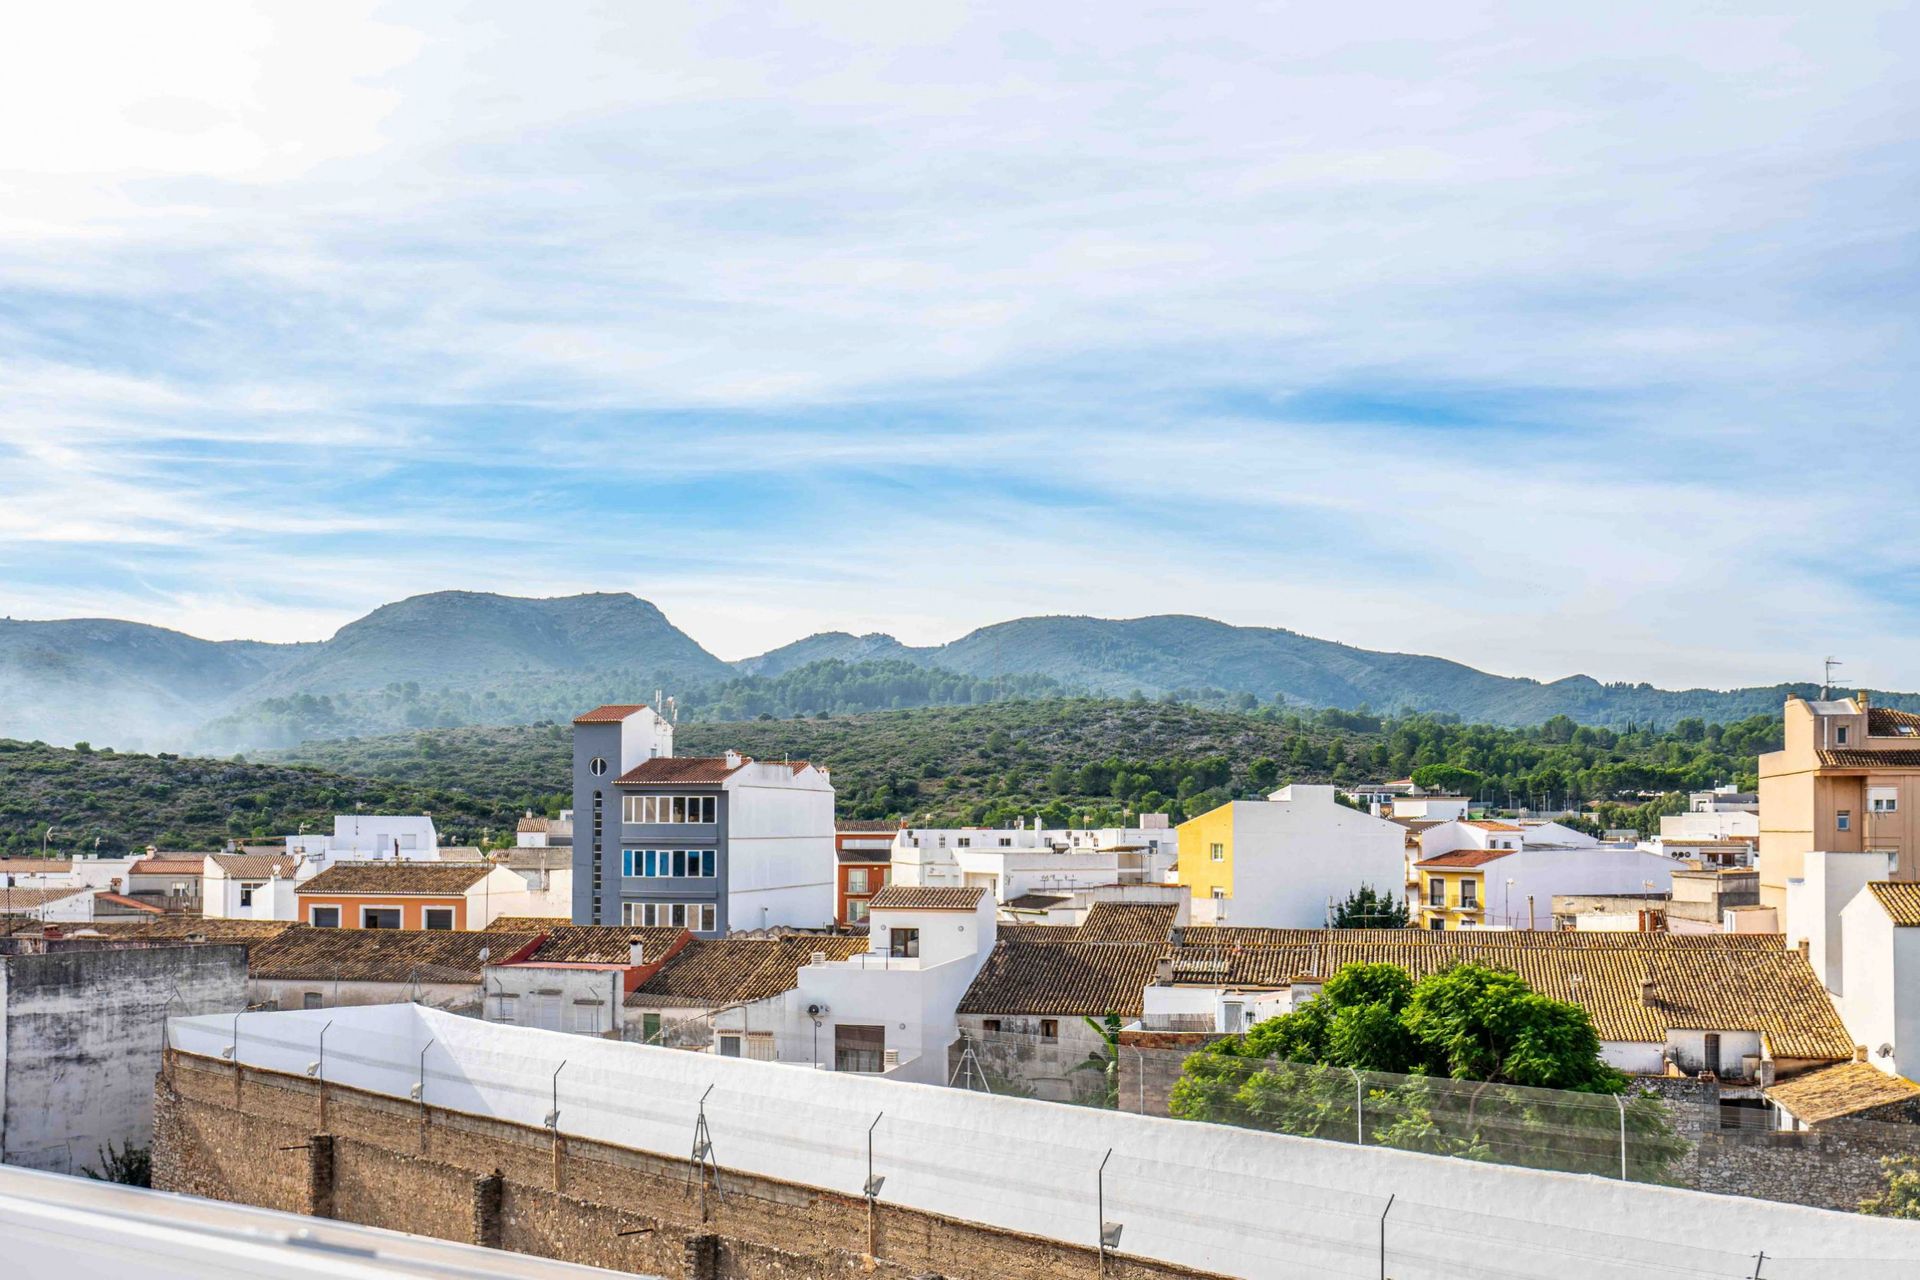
(889, 1059)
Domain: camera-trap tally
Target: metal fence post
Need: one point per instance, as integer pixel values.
(1383, 1235)
(1359, 1111)
(1623, 1135)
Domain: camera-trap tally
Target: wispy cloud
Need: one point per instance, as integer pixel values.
(1556, 340)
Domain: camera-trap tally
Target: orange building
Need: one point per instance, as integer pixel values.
(411, 895)
(863, 851)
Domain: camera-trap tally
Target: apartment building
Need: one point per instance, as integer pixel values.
(863, 849)
(1282, 860)
(1022, 863)
(705, 843)
(1846, 781)
(453, 896)
(1479, 874)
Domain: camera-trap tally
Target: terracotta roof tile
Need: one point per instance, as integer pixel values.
(1857, 758)
(385, 955)
(404, 879)
(28, 899)
(1128, 922)
(663, 771)
(1831, 1092)
(1465, 857)
(1900, 899)
(1486, 825)
(1702, 982)
(184, 865)
(866, 826)
(600, 944)
(255, 866)
(713, 972)
(1090, 979)
(909, 897)
(1884, 722)
(610, 714)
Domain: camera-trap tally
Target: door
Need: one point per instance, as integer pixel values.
(858, 1048)
(1711, 1052)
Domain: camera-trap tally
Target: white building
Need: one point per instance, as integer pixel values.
(1022, 861)
(1281, 861)
(71, 904)
(1429, 808)
(713, 844)
(253, 886)
(534, 832)
(1861, 932)
(362, 837)
(1484, 874)
(890, 1009)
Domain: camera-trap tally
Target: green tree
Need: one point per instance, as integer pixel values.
(1901, 1198)
(1468, 1061)
(1367, 908)
(1450, 778)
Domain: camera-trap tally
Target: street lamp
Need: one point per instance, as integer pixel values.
(1509, 906)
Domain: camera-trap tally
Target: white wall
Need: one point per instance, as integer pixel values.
(1816, 901)
(81, 1043)
(1293, 852)
(499, 893)
(1709, 826)
(1228, 1200)
(780, 858)
(1542, 873)
(1882, 1001)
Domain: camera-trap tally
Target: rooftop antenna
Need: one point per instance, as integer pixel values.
(1826, 687)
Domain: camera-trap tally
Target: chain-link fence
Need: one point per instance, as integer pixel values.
(1673, 1132)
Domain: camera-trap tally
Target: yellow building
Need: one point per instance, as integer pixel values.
(1286, 861)
(1206, 855)
(1846, 781)
(1453, 888)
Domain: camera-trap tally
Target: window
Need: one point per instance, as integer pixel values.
(650, 1027)
(438, 918)
(859, 1048)
(1469, 893)
(1840, 735)
(246, 891)
(1883, 799)
(857, 880)
(1437, 891)
(991, 1026)
(964, 842)
(1049, 1029)
(1436, 923)
(1006, 842)
(379, 917)
(670, 915)
(856, 910)
(324, 917)
(699, 863)
(1219, 893)
(1218, 852)
(583, 1017)
(311, 1000)
(1843, 821)
(506, 1008)
(597, 766)
(668, 810)
(904, 944)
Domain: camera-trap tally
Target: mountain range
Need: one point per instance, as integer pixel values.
(458, 657)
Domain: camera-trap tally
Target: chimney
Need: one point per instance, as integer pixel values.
(636, 952)
(1861, 698)
(1859, 1053)
(733, 758)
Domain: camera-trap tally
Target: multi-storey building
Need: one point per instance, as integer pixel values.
(864, 849)
(1477, 874)
(1284, 860)
(1020, 862)
(705, 843)
(1847, 780)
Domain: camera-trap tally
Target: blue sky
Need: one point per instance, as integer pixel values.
(1551, 339)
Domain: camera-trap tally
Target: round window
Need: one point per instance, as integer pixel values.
(598, 766)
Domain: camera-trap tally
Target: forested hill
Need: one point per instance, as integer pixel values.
(456, 658)
(1063, 759)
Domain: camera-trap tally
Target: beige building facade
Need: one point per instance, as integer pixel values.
(1846, 781)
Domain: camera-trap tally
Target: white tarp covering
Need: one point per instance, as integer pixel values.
(1224, 1199)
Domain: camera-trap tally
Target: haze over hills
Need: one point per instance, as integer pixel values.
(458, 657)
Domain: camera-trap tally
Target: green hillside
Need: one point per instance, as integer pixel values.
(1064, 759)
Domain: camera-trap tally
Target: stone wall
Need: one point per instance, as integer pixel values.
(290, 1143)
(1150, 1061)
